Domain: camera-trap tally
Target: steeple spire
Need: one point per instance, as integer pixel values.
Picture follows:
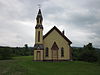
(39, 12)
(39, 18)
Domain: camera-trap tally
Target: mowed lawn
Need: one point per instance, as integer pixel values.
(25, 66)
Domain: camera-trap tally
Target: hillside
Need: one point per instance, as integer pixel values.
(25, 66)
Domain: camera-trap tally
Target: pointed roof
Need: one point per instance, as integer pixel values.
(39, 15)
(39, 12)
(39, 19)
(55, 28)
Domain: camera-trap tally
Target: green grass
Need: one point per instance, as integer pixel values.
(25, 66)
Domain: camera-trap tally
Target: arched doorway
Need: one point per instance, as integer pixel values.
(38, 55)
(54, 49)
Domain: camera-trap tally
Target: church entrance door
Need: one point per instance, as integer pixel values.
(54, 51)
(38, 55)
(54, 55)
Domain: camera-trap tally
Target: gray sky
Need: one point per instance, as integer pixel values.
(79, 18)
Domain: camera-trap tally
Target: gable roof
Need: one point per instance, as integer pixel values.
(55, 28)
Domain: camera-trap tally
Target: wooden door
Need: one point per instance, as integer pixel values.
(38, 55)
(54, 51)
(54, 54)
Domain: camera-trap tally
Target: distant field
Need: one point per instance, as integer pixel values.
(25, 66)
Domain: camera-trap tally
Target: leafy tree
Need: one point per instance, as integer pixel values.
(76, 53)
(26, 46)
(98, 55)
(26, 50)
(88, 53)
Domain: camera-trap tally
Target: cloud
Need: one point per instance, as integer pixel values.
(79, 19)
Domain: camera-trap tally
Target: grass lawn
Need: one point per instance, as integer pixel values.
(25, 66)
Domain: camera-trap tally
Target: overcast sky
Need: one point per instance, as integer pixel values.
(79, 18)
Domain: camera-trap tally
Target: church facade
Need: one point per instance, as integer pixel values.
(53, 46)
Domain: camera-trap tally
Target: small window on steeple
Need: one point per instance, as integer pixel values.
(38, 36)
(62, 52)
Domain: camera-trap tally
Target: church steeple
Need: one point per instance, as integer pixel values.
(38, 47)
(39, 28)
(39, 20)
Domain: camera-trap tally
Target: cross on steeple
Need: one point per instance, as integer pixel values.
(39, 6)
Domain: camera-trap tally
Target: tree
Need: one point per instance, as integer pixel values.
(76, 52)
(88, 53)
(26, 50)
(26, 46)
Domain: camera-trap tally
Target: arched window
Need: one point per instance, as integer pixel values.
(38, 36)
(46, 52)
(62, 52)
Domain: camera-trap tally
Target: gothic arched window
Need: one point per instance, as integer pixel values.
(38, 36)
(47, 52)
(62, 52)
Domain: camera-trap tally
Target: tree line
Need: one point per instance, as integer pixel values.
(9, 52)
(87, 53)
